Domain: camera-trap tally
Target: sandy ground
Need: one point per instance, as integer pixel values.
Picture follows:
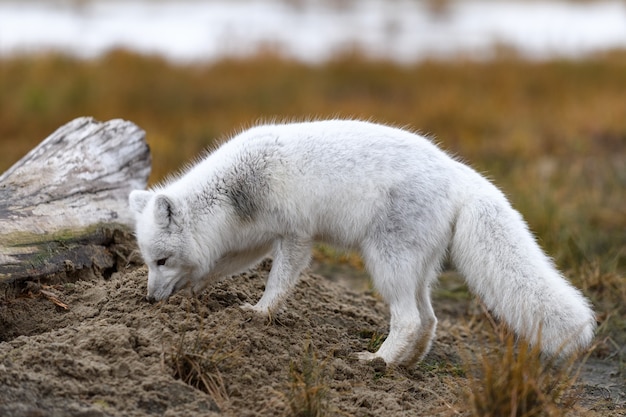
(111, 353)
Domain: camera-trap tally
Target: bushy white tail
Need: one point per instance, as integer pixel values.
(502, 263)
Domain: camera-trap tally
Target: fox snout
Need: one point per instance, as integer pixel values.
(157, 293)
(152, 297)
(162, 289)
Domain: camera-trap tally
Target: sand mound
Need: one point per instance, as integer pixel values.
(111, 353)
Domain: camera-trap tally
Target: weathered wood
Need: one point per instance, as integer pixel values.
(65, 202)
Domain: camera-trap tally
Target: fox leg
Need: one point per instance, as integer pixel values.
(404, 281)
(394, 278)
(291, 256)
(429, 320)
(403, 332)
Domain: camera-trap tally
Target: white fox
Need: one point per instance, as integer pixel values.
(392, 195)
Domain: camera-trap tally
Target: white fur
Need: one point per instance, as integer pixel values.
(391, 194)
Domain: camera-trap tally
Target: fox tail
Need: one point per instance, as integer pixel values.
(503, 264)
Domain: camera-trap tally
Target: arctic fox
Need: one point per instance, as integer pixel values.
(394, 196)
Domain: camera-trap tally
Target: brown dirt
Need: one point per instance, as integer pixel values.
(111, 353)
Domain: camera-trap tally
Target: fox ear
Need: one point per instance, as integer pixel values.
(163, 210)
(138, 199)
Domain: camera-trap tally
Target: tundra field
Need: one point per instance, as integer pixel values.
(552, 135)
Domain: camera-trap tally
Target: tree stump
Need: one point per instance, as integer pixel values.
(65, 204)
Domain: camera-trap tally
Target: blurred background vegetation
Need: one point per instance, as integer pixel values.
(551, 134)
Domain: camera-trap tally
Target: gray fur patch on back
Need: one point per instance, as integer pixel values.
(246, 191)
(241, 196)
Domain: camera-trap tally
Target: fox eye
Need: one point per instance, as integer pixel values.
(161, 261)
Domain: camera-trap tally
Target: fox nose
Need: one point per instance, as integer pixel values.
(150, 299)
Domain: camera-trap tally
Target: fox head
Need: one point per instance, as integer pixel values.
(165, 243)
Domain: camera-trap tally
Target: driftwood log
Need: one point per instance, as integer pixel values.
(64, 205)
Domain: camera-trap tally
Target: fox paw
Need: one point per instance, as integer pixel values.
(260, 311)
(376, 362)
(366, 356)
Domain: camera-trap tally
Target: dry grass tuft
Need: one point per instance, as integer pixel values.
(514, 379)
(198, 363)
(199, 370)
(308, 394)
